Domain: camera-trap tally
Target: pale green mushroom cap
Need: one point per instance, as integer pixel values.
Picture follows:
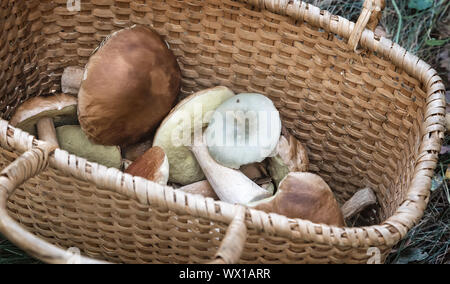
(243, 130)
(73, 140)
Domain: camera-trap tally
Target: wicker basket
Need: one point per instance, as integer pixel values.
(370, 113)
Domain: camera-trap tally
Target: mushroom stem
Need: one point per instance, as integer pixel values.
(230, 185)
(46, 131)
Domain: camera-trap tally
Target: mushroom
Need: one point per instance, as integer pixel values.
(243, 130)
(73, 140)
(40, 115)
(290, 156)
(305, 196)
(129, 85)
(175, 133)
(153, 165)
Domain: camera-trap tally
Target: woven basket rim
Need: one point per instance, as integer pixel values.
(388, 233)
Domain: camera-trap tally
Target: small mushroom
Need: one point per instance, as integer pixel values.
(230, 185)
(40, 115)
(244, 129)
(73, 140)
(175, 133)
(153, 165)
(130, 84)
(305, 196)
(290, 156)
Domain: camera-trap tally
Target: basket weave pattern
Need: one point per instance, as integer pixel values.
(369, 117)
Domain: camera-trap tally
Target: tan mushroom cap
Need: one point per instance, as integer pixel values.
(62, 108)
(305, 196)
(130, 84)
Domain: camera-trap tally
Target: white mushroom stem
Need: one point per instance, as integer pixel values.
(230, 185)
(46, 131)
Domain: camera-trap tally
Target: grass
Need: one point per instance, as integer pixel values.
(10, 254)
(426, 33)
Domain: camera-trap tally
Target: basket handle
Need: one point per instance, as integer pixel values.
(30, 164)
(233, 243)
(369, 18)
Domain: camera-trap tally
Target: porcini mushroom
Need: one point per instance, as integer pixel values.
(130, 84)
(153, 165)
(73, 140)
(244, 129)
(290, 156)
(175, 133)
(40, 115)
(305, 196)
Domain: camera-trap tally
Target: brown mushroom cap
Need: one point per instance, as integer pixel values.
(61, 108)
(306, 196)
(130, 84)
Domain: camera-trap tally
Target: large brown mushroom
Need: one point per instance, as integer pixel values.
(306, 196)
(130, 84)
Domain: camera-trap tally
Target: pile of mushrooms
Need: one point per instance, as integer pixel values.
(54, 120)
(214, 143)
